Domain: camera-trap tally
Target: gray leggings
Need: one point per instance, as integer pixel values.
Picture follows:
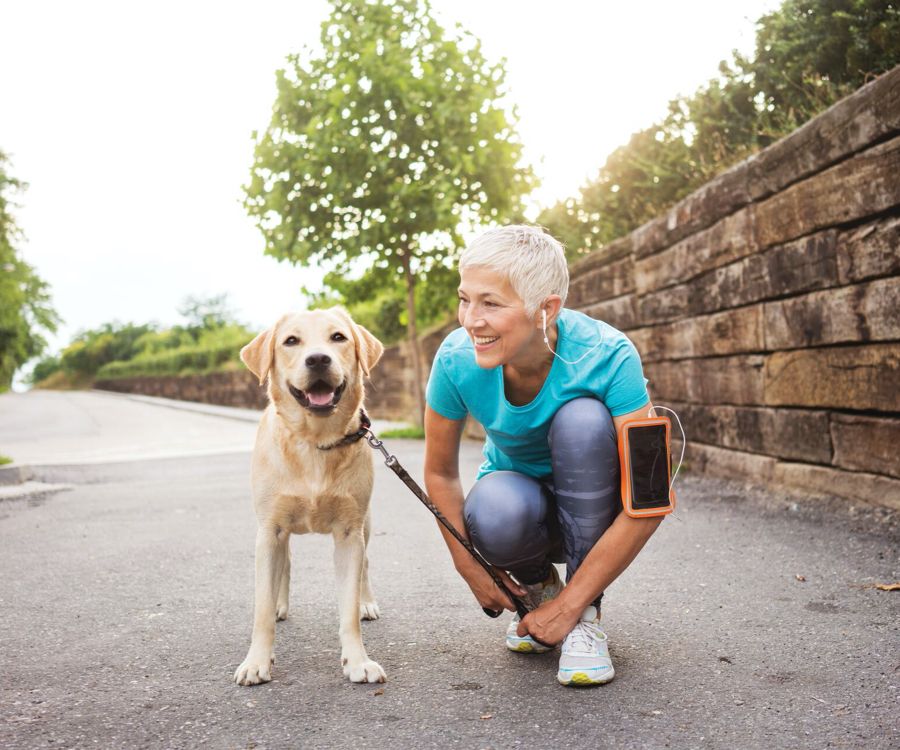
(522, 524)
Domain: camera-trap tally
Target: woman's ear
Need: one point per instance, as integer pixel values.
(368, 348)
(552, 305)
(259, 354)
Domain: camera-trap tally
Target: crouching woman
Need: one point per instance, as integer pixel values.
(552, 388)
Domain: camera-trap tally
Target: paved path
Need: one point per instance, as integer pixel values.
(87, 427)
(126, 603)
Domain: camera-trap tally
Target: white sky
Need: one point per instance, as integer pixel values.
(131, 122)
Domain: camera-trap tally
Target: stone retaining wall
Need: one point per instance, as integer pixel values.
(766, 306)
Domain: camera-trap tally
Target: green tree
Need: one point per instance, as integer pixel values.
(206, 313)
(378, 301)
(383, 147)
(112, 342)
(25, 310)
(808, 55)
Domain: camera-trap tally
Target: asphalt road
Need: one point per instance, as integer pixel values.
(126, 603)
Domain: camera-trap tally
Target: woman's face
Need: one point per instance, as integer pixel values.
(493, 316)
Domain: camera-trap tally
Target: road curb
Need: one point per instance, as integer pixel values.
(212, 410)
(15, 474)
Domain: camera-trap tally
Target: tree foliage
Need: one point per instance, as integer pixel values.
(209, 338)
(383, 144)
(25, 309)
(808, 55)
(382, 148)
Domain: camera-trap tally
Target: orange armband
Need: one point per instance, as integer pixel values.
(646, 467)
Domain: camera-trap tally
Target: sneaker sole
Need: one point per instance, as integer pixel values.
(525, 647)
(582, 679)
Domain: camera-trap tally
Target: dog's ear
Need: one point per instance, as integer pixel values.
(368, 348)
(259, 354)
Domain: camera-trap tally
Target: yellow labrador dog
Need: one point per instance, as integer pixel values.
(315, 362)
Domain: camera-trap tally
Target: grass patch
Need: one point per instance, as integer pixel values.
(413, 433)
(66, 381)
(5, 460)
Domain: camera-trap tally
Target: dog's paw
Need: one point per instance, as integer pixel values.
(369, 610)
(281, 612)
(365, 671)
(254, 671)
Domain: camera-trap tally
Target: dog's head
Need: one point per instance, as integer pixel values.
(312, 360)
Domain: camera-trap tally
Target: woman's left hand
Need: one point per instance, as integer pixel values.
(550, 623)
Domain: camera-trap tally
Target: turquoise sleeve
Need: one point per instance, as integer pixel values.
(626, 390)
(441, 394)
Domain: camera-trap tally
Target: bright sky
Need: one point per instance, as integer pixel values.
(131, 122)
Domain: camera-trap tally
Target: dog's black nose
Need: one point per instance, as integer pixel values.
(318, 361)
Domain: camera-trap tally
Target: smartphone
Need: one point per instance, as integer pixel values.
(646, 467)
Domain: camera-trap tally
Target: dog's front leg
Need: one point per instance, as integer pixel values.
(271, 549)
(368, 607)
(349, 551)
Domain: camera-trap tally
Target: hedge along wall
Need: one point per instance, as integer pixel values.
(766, 306)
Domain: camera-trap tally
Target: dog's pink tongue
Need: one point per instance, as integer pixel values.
(322, 398)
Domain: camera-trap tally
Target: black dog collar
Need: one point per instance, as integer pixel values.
(364, 424)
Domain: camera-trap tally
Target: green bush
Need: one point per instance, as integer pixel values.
(213, 351)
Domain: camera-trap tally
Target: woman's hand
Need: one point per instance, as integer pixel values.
(486, 591)
(550, 623)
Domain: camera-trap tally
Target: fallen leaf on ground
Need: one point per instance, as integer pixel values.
(487, 716)
(379, 692)
(888, 586)
(799, 577)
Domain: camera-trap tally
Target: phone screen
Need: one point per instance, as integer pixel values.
(649, 460)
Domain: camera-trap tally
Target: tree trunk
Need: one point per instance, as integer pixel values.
(413, 340)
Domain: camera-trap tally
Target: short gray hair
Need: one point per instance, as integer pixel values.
(533, 261)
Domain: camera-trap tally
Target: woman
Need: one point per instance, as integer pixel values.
(552, 388)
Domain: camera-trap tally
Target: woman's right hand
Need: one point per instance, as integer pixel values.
(485, 590)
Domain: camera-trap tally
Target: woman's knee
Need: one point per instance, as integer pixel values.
(506, 517)
(584, 421)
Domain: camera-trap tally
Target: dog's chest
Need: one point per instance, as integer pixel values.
(320, 502)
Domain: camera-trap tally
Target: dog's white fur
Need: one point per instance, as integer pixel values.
(299, 489)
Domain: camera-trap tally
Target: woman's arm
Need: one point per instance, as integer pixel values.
(442, 484)
(610, 556)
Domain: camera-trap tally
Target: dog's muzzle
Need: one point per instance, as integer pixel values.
(321, 398)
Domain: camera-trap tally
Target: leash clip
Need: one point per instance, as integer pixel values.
(374, 442)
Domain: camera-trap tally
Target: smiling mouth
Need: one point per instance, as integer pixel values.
(484, 341)
(321, 398)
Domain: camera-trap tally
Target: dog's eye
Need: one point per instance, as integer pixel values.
(338, 337)
(291, 341)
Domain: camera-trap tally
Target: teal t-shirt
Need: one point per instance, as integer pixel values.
(517, 435)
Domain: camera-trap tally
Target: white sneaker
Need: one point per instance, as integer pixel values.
(585, 653)
(536, 595)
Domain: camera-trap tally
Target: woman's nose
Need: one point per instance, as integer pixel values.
(472, 318)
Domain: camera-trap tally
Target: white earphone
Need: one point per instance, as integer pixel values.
(544, 315)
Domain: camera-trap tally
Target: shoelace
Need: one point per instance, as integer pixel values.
(533, 599)
(582, 640)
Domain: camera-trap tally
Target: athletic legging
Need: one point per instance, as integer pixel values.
(523, 524)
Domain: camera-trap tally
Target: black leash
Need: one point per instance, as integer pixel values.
(394, 465)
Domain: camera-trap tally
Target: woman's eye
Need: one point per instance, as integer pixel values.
(291, 341)
(463, 300)
(338, 337)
